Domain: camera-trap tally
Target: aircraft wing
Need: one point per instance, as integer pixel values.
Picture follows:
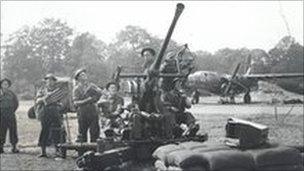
(274, 75)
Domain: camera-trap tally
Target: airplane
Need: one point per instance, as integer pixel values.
(228, 86)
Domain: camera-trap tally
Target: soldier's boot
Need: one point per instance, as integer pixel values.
(43, 152)
(15, 149)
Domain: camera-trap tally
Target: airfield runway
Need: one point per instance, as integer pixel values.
(210, 105)
(245, 109)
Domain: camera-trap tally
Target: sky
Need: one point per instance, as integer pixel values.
(204, 25)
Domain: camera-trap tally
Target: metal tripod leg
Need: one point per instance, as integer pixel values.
(68, 127)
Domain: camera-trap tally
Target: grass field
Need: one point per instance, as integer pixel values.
(284, 128)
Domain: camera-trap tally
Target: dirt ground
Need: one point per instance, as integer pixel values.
(285, 123)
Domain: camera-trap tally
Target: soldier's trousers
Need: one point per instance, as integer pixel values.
(88, 120)
(51, 126)
(8, 123)
(185, 118)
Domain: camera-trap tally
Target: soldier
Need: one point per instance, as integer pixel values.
(48, 107)
(8, 107)
(147, 102)
(85, 97)
(149, 56)
(176, 102)
(112, 104)
(171, 98)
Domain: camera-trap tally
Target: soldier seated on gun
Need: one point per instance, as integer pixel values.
(176, 102)
(112, 106)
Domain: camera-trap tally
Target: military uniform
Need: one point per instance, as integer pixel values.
(8, 106)
(110, 107)
(175, 103)
(87, 94)
(50, 117)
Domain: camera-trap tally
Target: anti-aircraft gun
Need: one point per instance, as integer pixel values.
(135, 146)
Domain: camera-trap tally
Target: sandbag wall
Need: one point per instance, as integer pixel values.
(219, 157)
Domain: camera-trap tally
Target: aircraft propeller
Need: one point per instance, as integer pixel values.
(230, 81)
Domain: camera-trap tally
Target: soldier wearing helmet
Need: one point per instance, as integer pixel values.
(8, 107)
(149, 57)
(85, 97)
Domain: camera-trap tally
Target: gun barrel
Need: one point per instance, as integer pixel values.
(179, 9)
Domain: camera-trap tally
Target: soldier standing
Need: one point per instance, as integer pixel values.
(148, 103)
(48, 107)
(85, 97)
(8, 106)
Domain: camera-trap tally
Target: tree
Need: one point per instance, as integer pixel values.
(126, 49)
(227, 59)
(204, 61)
(260, 61)
(287, 57)
(30, 53)
(90, 53)
(132, 37)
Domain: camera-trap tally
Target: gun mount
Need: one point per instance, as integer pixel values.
(140, 143)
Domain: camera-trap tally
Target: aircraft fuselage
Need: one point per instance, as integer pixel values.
(213, 83)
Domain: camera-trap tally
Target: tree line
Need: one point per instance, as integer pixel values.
(52, 46)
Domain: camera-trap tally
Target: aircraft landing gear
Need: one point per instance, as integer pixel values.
(195, 97)
(247, 98)
(227, 100)
(232, 100)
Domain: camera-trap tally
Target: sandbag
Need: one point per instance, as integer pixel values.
(224, 160)
(279, 158)
(162, 151)
(213, 147)
(281, 168)
(176, 157)
(173, 155)
(160, 166)
(191, 145)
